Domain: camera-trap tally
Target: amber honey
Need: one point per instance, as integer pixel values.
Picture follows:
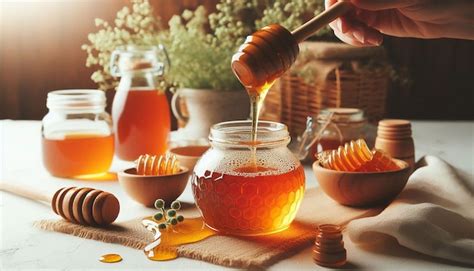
(356, 156)
(157, 165)
(323, 144)
(165, 245)
(141, 122)
(110, 258)
(250, 201)
(76, 155)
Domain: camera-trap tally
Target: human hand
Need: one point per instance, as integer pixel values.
(427, 19)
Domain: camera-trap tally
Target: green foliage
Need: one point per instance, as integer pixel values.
(159, 203)
(293, 13)
(171, 213)
(158, 216)
(200, 45)
(198, 59)
(173, 221)
(176, 205)
(136, 25)
(169, 217)
(162, 226)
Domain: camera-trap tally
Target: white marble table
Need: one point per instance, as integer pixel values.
(24, 247)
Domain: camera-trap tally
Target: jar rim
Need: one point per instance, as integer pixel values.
(133, 48)
(238, 133)
(342, 115)
(76, 99)
(139, 59)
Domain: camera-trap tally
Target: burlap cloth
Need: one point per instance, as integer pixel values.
(255, 252)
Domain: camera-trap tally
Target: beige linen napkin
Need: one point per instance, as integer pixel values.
(433, 215)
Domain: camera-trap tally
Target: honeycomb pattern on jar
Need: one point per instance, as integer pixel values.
(251, 205)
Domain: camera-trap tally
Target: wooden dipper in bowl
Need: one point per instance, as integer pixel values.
(85, 206)
(270, 51)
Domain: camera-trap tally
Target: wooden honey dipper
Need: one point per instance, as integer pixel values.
(270, 51)
(85, 206)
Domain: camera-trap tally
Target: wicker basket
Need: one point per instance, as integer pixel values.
(291, 100)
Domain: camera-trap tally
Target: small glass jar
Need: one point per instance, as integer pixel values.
(345, 124)
(243, 187)
(77, 136)
(140, 110)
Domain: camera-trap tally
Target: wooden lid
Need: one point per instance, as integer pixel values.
(398, 123)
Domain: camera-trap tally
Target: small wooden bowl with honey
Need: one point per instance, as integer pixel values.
(154, 177)
(345, 177)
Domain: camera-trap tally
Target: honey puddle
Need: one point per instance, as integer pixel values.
(110, 258)
(166, 243)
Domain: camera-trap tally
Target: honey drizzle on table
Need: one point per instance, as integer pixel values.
(110, 258)
(166, 243)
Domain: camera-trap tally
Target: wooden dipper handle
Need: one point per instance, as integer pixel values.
(307, 29)
(85, 206)
(24, 192)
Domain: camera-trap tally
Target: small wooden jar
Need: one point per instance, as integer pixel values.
(394, 137)
(329, 248)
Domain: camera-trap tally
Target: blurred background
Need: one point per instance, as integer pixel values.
(40, 51)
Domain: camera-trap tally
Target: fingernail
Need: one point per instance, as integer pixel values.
(340, 26)
(373, 41)
(359, 36)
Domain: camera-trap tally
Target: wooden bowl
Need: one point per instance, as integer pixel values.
(189, 155)
(362, 189)
(147, 189)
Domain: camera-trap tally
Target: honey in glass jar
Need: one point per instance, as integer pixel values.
(245, 187)
(345, 124)
(140, 111)
(77, 137)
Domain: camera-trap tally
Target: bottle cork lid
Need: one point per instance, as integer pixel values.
(394, 129)
(395, 123)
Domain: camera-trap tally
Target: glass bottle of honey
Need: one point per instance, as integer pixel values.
(140, 111)
(77, 137)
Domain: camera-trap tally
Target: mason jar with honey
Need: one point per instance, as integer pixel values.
(245, 187)
(77, 138)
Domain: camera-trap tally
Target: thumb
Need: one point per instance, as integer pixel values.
(381, 5)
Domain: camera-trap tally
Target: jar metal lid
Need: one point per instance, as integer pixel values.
(76, 99)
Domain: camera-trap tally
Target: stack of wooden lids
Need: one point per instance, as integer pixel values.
(329, 248)
(394, 137)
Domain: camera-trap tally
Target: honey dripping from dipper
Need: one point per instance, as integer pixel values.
(257, 68)
(269, 52)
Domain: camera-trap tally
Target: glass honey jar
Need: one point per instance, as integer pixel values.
(345, 124)
(140, 110)
(77, 138)
(245, 187)
(332, 128)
